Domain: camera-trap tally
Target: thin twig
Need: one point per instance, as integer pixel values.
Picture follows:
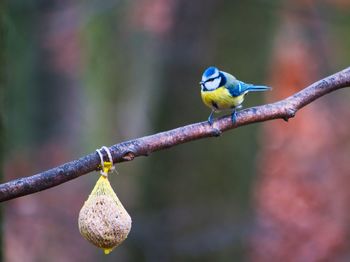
(127, 151)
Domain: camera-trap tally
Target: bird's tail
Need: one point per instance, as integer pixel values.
(254, 88)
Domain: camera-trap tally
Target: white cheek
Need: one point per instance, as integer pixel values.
(213, 84)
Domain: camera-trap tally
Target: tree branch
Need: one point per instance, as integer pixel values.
(127, 151)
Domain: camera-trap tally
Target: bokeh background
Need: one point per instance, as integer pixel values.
(76, 75)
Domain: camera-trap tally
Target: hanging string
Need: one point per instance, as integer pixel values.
(106, 166)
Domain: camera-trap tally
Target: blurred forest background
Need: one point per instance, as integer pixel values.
(76, 75)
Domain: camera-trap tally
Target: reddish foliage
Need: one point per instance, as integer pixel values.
(302, 196)
(155, 16)
(61, 39)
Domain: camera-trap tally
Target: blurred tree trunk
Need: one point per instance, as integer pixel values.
(302, 194)
(2, 113)
(43, 124)
(198, 192)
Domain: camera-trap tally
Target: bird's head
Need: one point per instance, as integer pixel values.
(212, 79)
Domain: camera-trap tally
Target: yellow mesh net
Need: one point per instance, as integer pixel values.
(103, 220)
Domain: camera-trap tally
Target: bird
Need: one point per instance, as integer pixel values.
(222, 91)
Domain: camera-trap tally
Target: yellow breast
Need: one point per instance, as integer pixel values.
(220, 99)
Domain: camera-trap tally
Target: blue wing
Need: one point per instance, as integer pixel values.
(239, 88)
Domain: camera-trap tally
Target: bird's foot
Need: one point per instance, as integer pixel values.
(211, 118)
(233, 117)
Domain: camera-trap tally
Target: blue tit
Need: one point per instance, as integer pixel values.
(222, 91)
